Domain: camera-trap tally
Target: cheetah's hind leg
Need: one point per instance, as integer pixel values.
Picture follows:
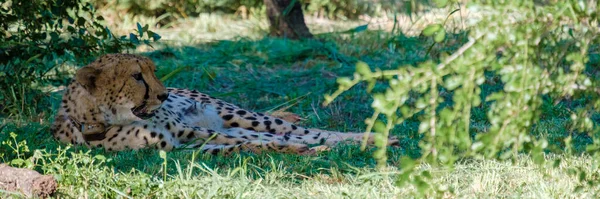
(257, 146)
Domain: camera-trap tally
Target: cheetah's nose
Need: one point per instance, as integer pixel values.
(163, 97)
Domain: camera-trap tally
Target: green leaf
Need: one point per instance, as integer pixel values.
(100, 157)
(363, 69)
(162, 154)
(431, 29)
(379, 139)
(379, 126)
(133, 38)
(360, 28)
(154, 36)
(453, 82)
(140, 30)
(379, 154)
(440, 3)
(17, 162)
(344, 82)
(440, 35)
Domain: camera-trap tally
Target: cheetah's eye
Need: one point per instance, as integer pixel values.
(138, 76)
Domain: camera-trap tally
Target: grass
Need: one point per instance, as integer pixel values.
(232, 60)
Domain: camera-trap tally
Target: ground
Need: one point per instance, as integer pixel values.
(235, 63)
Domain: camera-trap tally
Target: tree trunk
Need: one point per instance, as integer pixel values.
(286, 19)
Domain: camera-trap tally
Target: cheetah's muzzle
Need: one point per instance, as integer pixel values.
(141, 111)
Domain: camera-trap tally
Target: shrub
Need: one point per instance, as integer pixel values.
(532, 51)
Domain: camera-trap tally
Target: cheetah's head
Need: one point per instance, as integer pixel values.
(124, 87)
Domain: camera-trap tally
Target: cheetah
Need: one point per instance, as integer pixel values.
(117, 103)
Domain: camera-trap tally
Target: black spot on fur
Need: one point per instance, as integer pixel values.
(317, 136)
(227, 117)
(234, 124)
(278, 121)
(255, 123)
(216, 151)
(241, 112)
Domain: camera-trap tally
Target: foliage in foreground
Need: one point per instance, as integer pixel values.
(525, 48)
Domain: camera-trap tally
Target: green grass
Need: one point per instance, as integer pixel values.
(265, 74)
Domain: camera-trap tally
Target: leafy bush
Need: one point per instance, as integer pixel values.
(39, 36)
(535, 52)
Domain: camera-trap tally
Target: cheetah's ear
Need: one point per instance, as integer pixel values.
(86, 76)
